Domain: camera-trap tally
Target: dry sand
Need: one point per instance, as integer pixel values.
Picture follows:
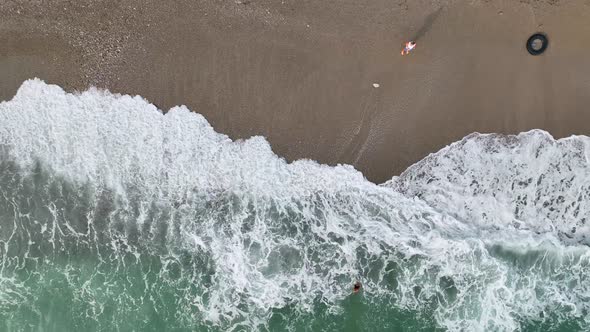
(302, 73)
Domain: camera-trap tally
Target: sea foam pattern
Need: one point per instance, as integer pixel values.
(528, 181)
(132, 208)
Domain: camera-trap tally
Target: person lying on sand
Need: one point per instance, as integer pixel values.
(409, 47)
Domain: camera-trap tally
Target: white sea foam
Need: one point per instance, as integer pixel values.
(468, 227)
(529, 182)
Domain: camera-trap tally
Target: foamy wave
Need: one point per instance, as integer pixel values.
(445, 238)
(528, 182)
(106, 139)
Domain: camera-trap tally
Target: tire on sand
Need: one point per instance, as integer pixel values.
(530, 43)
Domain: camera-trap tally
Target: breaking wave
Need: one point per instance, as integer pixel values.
(114, 216)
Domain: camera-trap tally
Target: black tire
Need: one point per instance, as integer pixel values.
(544, 43)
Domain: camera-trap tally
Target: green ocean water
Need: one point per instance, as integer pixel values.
(73, 276)
(69, 265)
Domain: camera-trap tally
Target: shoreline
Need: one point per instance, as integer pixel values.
(302, 74)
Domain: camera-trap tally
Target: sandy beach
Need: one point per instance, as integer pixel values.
(303, 73)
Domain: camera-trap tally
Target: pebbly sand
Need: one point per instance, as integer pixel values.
(320, 79)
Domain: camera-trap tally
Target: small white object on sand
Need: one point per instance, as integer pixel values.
(376, 85)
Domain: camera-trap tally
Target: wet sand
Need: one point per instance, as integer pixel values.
(301, 73)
